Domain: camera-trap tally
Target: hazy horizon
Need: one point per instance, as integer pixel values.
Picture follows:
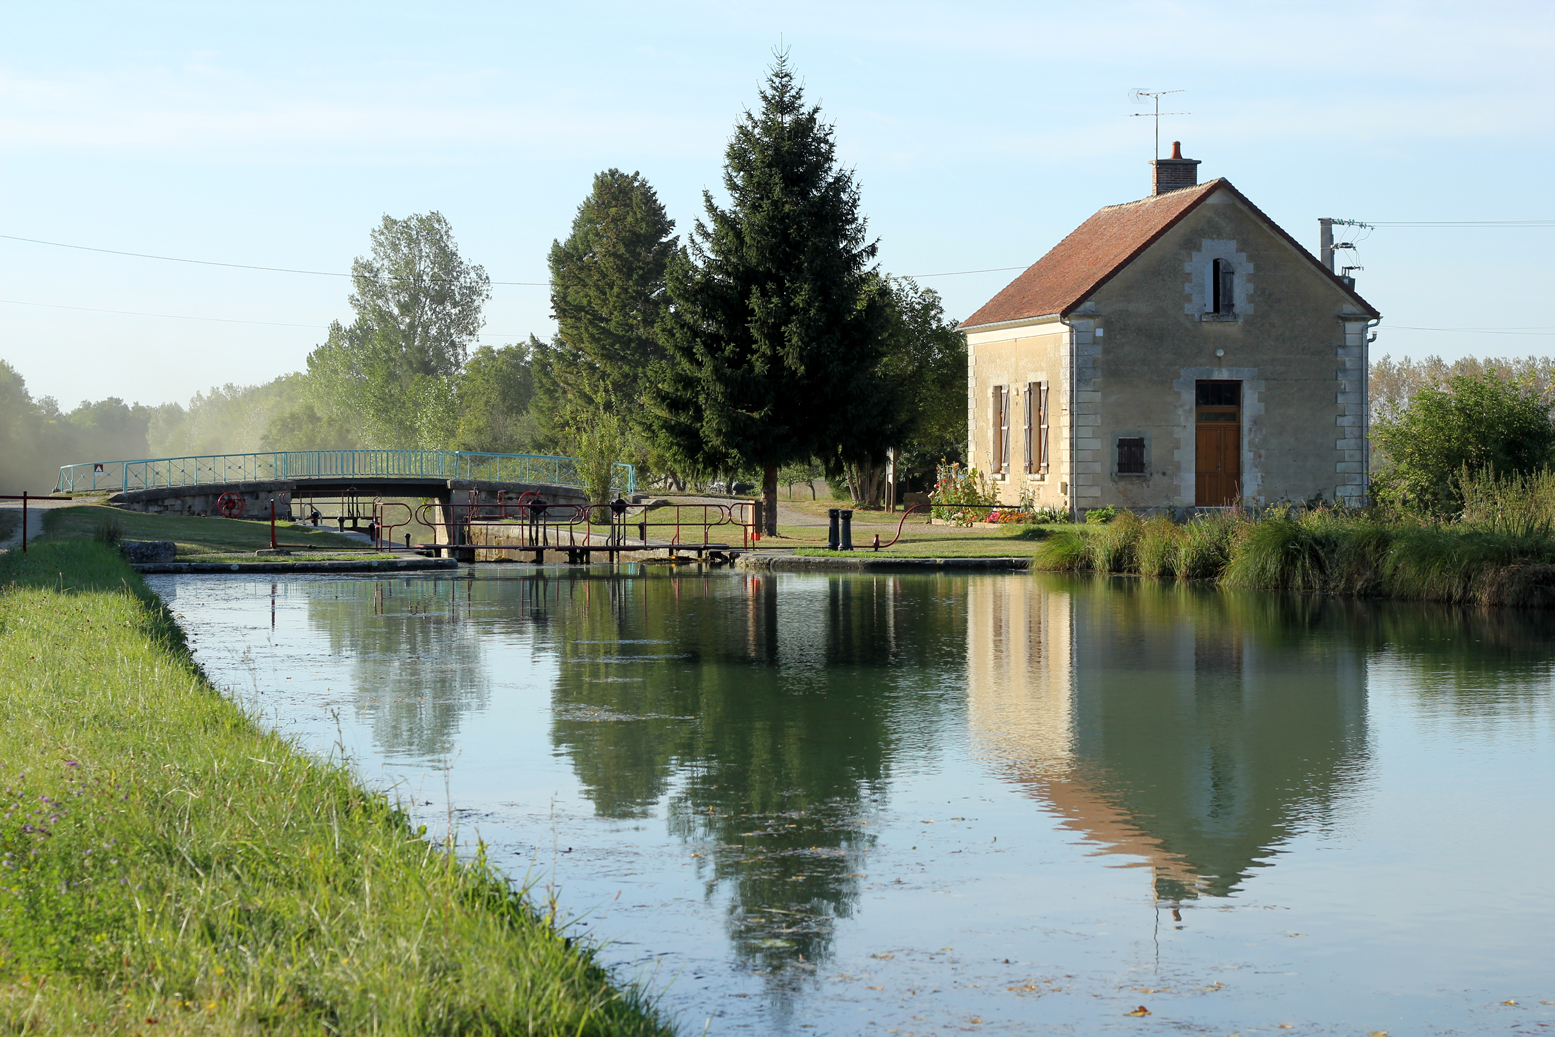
(980, 136)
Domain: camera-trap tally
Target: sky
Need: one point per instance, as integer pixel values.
(980, 134)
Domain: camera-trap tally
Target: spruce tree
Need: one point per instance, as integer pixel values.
(607, 293)
(774, 338)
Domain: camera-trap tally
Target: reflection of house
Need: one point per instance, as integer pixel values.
(1203, 354)
(1160, 722)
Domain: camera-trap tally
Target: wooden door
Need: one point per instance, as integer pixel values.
(1218, 474)
(1217, 479)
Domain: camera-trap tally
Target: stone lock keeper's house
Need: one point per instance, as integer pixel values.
(1173, 352)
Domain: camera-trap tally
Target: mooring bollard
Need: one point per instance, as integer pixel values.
(407, 541)
(847, 530)
(832, 533)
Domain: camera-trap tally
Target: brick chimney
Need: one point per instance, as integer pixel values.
(1175, 173)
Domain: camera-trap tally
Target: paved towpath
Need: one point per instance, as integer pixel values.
(35, 510)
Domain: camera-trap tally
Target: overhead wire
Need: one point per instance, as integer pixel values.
(336, 273)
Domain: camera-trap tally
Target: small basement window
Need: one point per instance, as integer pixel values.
(1131, 455)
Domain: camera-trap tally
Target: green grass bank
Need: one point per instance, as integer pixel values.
(1478, 560)
(166, 867)
(196, 537)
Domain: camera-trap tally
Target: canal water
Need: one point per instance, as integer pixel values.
(1001, 804)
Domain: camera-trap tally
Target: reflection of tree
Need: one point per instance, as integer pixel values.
(769, 711)
(416, 664)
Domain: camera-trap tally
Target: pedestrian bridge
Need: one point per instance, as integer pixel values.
(333, 469)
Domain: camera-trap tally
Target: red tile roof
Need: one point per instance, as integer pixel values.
(1103, 245)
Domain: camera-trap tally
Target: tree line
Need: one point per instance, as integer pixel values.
(767, 340)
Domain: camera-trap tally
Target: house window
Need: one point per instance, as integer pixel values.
(1042, 441)
(1001, 429)
(1222, 287)
(1036, 428)
(1131, 455)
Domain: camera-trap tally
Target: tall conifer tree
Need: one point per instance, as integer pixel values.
(607, 292)
(775, 339)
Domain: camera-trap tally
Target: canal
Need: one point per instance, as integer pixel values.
(1003, 804)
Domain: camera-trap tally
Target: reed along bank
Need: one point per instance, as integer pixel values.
(168, 867)
(1499, 550)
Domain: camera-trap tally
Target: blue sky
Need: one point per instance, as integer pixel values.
(279, 134)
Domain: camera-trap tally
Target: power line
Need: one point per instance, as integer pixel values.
(1477, 331)
(336, 273)
(1461, 223)
(171, 316)
(186, 316)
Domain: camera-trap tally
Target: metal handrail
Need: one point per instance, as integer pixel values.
(559, 518)
(196, 469)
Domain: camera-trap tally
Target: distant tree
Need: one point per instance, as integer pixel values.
(1393, 383)
(1476, 422)
(20, 427)
(775, 339)
(925, 367)
(393, 372)
(495, 391)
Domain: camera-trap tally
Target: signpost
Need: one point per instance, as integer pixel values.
(24, 498)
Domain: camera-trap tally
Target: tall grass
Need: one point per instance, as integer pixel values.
(167, 867)
(1501, 552)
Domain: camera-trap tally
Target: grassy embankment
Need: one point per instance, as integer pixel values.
(10, 521)
(167, 867)
(199, 539)
(1500, 551)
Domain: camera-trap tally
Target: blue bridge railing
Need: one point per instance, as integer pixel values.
(150, 473)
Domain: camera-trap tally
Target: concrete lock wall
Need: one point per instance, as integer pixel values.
(201, 500)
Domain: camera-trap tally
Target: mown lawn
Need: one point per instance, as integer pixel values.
(195, 537)
(919, 539)
(166, 867)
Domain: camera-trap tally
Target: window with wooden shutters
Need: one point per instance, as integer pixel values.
(996, 455)
(1032, 396)
(1131, 455)
(1042, 423)
(1004, 428)
(1222, 287)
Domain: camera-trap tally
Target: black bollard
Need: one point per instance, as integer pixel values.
(831, 533)
(847, 530)
(407, 541)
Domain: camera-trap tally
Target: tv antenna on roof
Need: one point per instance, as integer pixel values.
(1138, 96)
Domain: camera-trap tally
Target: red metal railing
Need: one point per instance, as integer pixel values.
(587, 526)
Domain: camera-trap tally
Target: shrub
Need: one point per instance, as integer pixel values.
(1098, 515)
(1067, 550)
(1472, 424)
(1158, 547)
(1115, 544)
(1280, 552)
(1204, 546)
(1518, 504)
(962, 495)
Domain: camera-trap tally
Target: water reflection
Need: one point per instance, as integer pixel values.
(1191, 732)
(766, 712)
(416, 662)
(1190, 729)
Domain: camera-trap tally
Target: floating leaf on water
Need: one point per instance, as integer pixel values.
(1141, 1010)
(774, 944)
(882, 955)
(874, 988)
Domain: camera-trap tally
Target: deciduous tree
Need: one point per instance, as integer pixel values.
(1473, 423)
